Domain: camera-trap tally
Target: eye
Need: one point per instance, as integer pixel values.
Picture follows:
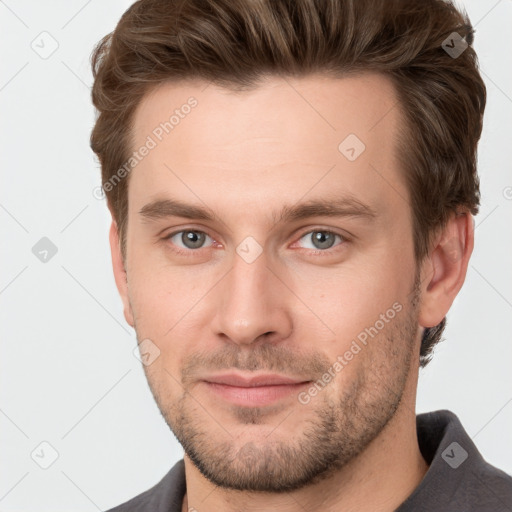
(321, 239)
(189, 238)
(186, 240)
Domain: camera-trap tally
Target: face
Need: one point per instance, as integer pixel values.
(262, 241)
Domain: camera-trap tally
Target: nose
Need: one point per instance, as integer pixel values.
(252, 304)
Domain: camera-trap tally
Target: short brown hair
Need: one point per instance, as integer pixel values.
(234, 43)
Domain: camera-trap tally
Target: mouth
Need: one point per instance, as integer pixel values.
(253, 391)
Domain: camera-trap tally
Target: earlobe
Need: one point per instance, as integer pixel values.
(120, 274)
(444, 271)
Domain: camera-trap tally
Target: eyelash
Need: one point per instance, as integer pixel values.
(327, 252)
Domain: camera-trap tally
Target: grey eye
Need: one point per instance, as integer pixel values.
(321, 239)
(189, 239)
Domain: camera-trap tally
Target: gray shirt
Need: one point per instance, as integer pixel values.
(458, 479)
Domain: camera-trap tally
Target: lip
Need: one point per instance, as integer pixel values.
(241, 381)
(253, 391)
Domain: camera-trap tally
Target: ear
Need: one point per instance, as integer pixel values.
(444, 270)
(120, 275)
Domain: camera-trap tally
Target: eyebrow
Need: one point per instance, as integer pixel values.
(346, 206)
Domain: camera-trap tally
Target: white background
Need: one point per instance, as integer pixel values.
(68, 375)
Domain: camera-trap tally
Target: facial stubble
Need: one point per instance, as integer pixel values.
(336, 429)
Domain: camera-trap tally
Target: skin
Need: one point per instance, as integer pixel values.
(292, 310)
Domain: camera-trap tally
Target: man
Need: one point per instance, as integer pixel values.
(292, 185)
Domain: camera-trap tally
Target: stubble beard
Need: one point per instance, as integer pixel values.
(335, 429)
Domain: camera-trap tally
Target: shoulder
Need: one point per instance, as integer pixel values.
(489, 486)
(165, 496)
(458, 478)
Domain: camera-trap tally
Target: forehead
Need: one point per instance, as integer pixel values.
(284, 133)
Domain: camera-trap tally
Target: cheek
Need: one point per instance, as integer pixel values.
(155, 302)
(169, 308)
(347, 300)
